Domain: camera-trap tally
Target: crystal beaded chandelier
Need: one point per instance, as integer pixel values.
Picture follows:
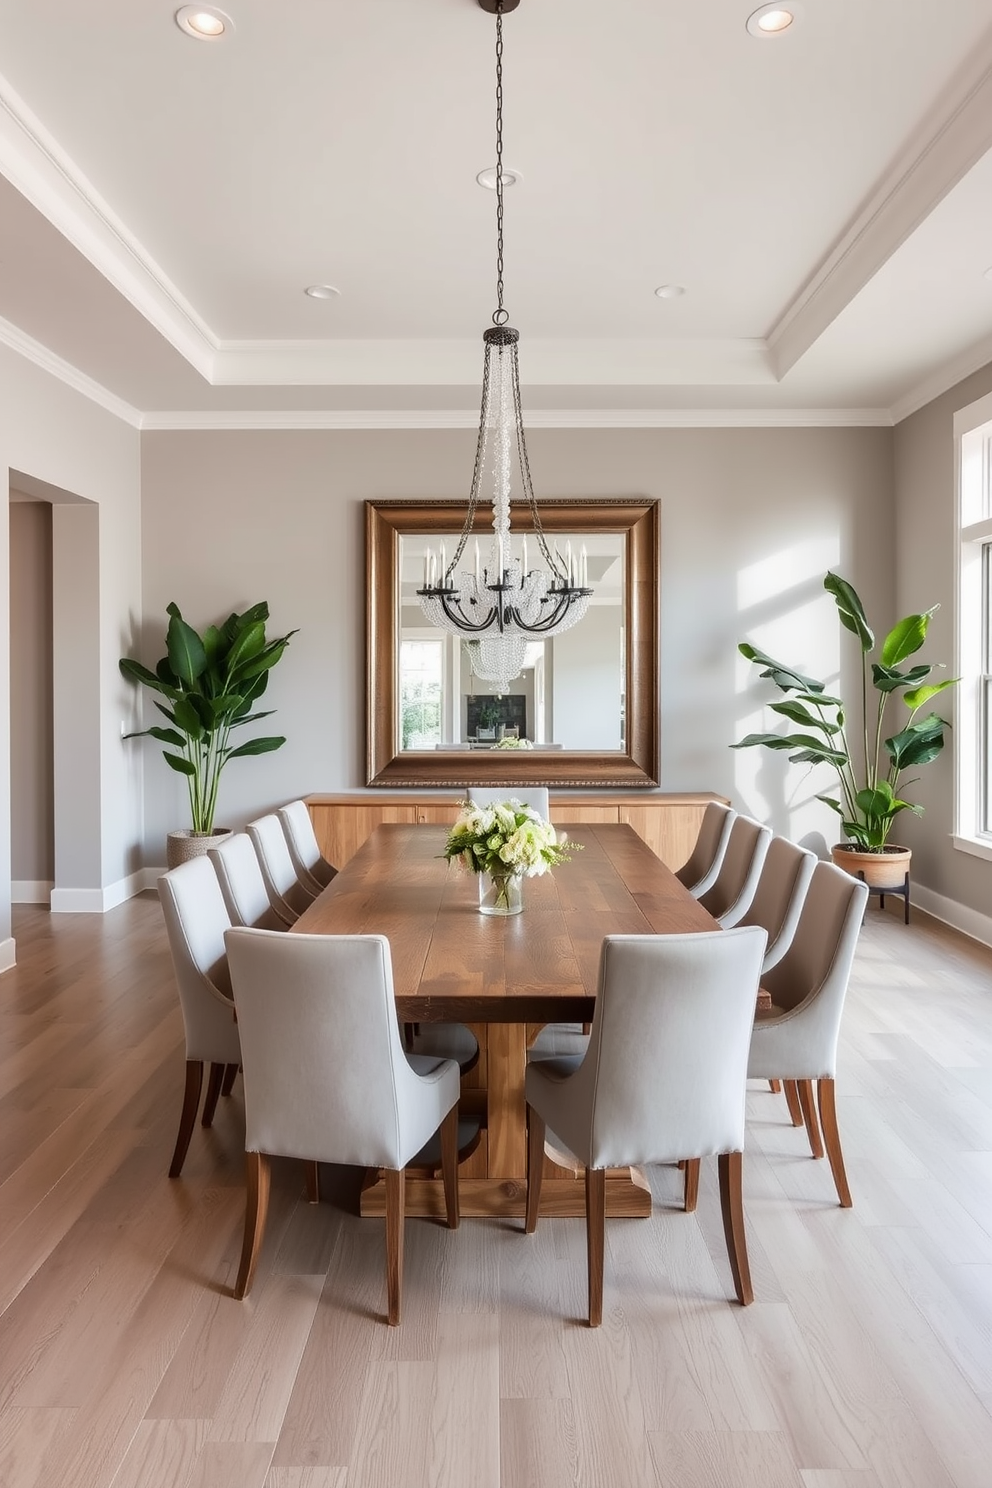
(501, 604)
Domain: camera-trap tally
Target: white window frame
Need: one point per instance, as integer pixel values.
(973, 546)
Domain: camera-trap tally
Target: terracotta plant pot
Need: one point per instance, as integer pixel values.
(182, 845)
(886, 869)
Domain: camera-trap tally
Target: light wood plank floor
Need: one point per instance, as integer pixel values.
(865, 1361)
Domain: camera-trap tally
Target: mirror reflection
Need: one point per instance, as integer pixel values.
(568, 693)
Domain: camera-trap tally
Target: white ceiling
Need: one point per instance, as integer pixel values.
(825, 197)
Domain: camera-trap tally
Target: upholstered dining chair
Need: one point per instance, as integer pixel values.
(326, 1078)
(288, 895)
(239, 874)
(196, 918)
(729, 896)
(699, 871)
(796, 1040)
(663, 1078)
(312, 868)
(535, 796)
(778, 900)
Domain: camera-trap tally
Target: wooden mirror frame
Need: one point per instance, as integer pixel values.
(636, 766)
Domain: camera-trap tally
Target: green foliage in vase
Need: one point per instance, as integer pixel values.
(871, 782)
(209, 684)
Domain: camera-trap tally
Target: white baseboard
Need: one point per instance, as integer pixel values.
(8, 954)
(958, 916)
(98, 901)
(31, 891)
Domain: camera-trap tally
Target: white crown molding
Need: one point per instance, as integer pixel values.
(943, 379)
(27, 346)
(567, 418)
(616, 362)
(34, 162)
(952, 138)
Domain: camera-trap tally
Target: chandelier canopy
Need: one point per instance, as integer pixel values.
(500, 603)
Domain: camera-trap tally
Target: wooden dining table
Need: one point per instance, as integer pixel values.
(506, 977)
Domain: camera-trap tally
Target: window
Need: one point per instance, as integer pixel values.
(421, 677)
(973, 741)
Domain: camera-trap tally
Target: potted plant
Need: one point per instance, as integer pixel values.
(210, 683)
(870, 782)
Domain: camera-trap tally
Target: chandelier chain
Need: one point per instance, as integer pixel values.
(500, 316)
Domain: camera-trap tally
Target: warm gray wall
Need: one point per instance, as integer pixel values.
(54, 434)
(925, 563)
(750, 521)
(32, 791)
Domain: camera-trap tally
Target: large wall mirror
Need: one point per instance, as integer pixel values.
(585, 701)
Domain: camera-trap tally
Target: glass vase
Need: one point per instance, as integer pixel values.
(500, 894)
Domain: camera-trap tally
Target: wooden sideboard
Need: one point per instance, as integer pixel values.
(668, 823)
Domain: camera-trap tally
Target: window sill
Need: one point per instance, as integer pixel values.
(978, 847)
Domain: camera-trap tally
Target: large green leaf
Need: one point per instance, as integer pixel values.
(175, 762)
(819, 699)
(875, 801)
(833, 804)
(266, 660)
(249, 643)
(794, 710)
(921, 695)
(787, 678)
(918, 744)
(814, 750)
(817, 754)
(256, 746)
(850, 609)
(905, 638)
(187, 657)
(239, 722)
(135, 672)
(167, 736)
(188, 719)
(889, 679)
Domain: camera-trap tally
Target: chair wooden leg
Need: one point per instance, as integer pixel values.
(792, 1101)
(214, 1082)
(732, 1204)
(809, 1116)
(826, 1096)
(691, 1189)
(312, 1173)
(449, 1166)
(775, 1086)
(230, 1075)
(395, 1215)
(595, 1240)
(187, 1120)
(535, 1167)
(257, 1207)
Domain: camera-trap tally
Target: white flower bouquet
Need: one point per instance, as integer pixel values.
(506, 839)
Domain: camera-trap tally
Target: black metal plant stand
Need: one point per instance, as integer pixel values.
(902, 890)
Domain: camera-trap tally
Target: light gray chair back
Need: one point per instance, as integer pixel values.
(535, 796)
(809, 984)
(196, 918)
(699, 871)
(325, 1074)
(312, 868)
(663, 1078)
(240, 877)
(729, 896)
(287, 895)
(780, 895)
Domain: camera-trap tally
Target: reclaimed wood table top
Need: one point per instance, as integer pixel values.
(452, 963)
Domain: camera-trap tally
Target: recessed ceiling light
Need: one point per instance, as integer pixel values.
(204, 22)
(321, 291)
(487, 178)
(772, 20)
(670, 291)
